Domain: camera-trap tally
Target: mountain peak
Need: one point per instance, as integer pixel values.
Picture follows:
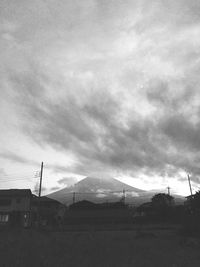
(96, 189)
(111, 184)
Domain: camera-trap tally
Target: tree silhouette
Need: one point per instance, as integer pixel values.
(162, 200)
(192, 216)
(162, 205)
(195, 201)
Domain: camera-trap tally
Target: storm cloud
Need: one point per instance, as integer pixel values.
(113, 84)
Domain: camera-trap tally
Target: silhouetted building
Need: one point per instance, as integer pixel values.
(15, 207)
(85, 204)
(189, 199)
(50, 211)
(86, 212)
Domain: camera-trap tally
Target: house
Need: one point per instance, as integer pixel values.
(83, 205)
(47, 210)
(189, 200)
(15, 207)
(88, 205)
(19, 207)
(86, 212)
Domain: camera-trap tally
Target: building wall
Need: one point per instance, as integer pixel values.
(16, 204)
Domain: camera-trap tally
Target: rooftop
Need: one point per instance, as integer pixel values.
(15, 192)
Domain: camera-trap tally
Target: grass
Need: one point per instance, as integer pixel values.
(137, 248)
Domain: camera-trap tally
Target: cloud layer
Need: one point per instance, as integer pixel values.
(114, 84)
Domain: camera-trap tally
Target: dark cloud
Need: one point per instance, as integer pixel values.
(166, 96)
(94, 132)
(183, 133)
(118, 91)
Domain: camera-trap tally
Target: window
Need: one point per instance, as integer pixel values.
(5, 202)
(4, 217)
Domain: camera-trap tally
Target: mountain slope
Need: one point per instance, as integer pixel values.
(96, 190)
(105, 190)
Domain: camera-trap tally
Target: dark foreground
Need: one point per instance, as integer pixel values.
(137, 247)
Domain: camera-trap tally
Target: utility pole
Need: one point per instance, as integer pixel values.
(74, 197)
(123, 196)
(168, 190)
(41, 173)
(39, 199)
(190, 185)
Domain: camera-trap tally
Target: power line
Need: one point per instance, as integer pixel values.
(19, 178)
(16, 178)
(11, 180)
(18, 173)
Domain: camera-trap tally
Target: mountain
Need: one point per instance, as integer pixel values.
(96, 190)
(101, 190)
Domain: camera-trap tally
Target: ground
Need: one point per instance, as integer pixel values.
(143, 247)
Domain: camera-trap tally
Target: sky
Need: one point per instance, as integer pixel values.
(103, 88)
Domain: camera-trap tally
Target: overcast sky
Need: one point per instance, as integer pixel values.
(106, 88)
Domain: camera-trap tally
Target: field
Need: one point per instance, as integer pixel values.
(143, 247)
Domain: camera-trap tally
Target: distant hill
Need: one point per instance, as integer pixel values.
(99, 190)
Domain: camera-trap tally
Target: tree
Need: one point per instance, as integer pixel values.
(162, 205)
(195, 201)
(162, 200)
(192, 216)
